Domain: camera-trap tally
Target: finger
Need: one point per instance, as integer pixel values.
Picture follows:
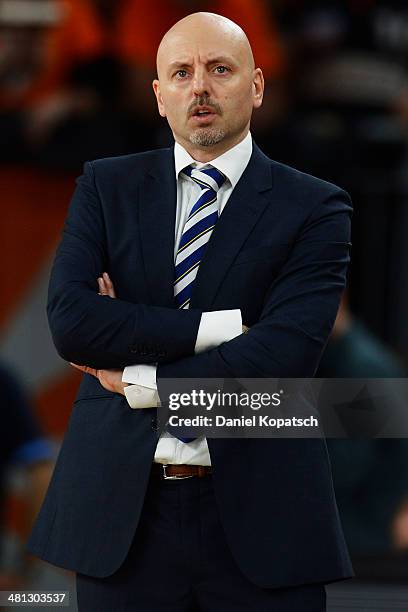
(78, 367)
(107, 280)
(109, 284)
(85, 369)
(102, 288)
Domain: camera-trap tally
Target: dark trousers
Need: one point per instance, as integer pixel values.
(179, 561)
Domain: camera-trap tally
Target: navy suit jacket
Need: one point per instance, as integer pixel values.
(279, 252)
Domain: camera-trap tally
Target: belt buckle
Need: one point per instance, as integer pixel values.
(167, 477)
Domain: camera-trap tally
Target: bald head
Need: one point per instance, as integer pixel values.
(207, 84)
(193, 28)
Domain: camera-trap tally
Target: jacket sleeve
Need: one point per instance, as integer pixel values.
(298, 312)
(99, 331)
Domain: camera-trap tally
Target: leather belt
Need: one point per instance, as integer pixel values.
(180, 472)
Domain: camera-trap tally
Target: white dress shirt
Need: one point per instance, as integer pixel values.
(215, 327)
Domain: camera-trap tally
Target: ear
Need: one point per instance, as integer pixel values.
(160, 104)
(258, 86)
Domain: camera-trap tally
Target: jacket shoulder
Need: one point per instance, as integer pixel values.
(123, 165)
(302, 184)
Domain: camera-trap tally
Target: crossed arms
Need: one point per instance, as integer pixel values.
(297, 315)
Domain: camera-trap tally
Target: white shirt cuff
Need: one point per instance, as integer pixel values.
(141, 374)
(142, 390)
(215, 328)
(218, 327)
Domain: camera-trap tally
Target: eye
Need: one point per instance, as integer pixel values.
(221, 69)
(181, 74)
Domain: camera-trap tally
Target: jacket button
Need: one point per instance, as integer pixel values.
(154, 424)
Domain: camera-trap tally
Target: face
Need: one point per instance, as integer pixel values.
(207, 87)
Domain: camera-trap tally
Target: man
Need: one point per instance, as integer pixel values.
(247, 524)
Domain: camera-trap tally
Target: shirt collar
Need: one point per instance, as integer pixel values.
(232, 163)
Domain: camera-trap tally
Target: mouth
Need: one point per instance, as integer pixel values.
(203, 114)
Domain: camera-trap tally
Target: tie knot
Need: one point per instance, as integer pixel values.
(207, 178)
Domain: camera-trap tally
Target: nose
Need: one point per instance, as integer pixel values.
(201, 84)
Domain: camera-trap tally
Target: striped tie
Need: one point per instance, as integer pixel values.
(197, 232)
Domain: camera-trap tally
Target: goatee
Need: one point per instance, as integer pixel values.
(206, 137)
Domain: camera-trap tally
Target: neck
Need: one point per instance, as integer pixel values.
(207, 154)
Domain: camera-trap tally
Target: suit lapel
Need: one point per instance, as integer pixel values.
(157, 216)
(239, 216)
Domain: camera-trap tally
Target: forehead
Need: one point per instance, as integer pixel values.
(201, 46)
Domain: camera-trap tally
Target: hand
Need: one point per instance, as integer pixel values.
(106, 286)
(245, 329)
(111, 380)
